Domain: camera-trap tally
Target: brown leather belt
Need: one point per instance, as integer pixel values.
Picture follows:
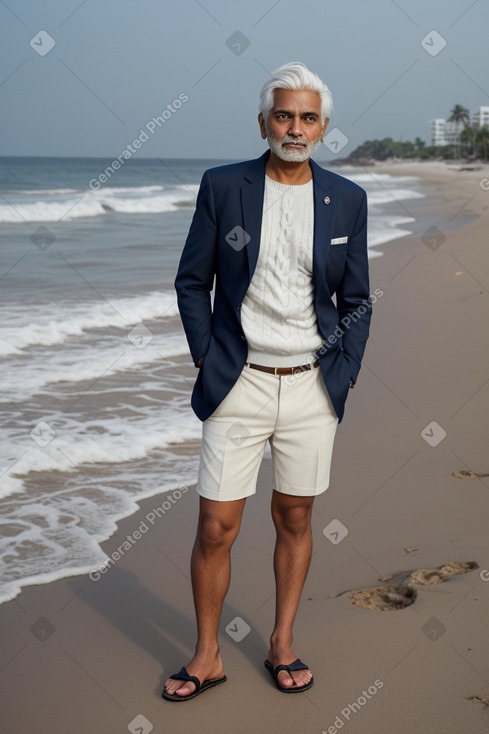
(283, 370)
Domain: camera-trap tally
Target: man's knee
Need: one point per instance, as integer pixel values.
(217, 531)
(293, 517)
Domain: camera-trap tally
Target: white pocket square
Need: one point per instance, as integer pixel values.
(339, 240)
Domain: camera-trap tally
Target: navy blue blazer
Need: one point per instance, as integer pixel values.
(222, 247)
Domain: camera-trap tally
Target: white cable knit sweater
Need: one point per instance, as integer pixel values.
(277, 313)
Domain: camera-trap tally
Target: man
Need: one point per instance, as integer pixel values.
(278, 237)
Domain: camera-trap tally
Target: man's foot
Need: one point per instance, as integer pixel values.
(203, 667)
(200, 686)
(294, 679)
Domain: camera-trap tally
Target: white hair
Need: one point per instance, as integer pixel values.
(294, 75)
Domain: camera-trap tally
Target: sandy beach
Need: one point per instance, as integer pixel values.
(90, 653)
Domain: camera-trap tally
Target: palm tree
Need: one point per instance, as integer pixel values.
(468, 136)
(482, 142)
(459, 115)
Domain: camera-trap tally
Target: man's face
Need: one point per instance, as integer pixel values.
(293, 127)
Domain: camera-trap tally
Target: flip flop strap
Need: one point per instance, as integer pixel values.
(296, 665)
(183, 675)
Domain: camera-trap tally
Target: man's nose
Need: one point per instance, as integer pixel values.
(295, 127)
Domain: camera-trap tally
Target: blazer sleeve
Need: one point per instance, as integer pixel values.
(353, 295)
(195, 276)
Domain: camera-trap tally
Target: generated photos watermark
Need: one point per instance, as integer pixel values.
(140, 725)
(336, 140)
(140, 336)
(337, 334)
(347, 321)
(145, 525)
(353, 708)
(42, 629)
(42, 238)
(42, 43)
(335, 531)
(238, 43)
(237, 629)
(42, 434)
(433, 238)
(433, 629)
(433, 434)
(433, 43)
(152, 126)
(237, 238)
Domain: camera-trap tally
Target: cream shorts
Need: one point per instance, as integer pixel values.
(293, 412)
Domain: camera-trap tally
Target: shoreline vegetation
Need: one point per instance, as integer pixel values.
(470, 144)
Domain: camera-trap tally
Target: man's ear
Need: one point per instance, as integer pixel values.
(261, 123)
(325, 125)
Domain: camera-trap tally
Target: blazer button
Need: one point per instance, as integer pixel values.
(327, 200)
(238, 308)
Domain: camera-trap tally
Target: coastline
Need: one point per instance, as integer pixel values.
(112, 495)
(455, 183)
(109, 643)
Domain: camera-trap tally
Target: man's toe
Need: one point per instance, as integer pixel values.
(185, 689)
(285, 679)
(301, 677)
(180, 688)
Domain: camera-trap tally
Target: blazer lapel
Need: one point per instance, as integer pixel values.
(252, 205)
(324, 219)
(252, 195)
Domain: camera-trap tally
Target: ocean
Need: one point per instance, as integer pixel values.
(94, 367)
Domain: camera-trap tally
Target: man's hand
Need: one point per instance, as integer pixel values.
(200, 362)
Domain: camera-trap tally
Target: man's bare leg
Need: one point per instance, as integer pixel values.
(218, 527)
(293, 548)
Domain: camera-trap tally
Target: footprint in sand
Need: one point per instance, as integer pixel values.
(402, 594)
(384, 598)
(468, 474)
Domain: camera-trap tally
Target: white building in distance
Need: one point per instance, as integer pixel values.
(481, 117)
(443, 132)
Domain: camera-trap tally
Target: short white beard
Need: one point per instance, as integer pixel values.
(291, 155)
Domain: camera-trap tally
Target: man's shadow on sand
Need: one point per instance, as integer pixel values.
(164, 631)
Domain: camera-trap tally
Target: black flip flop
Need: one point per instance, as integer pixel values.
(296, 665)
(199, 687)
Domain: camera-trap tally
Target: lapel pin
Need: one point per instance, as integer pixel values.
(327, 200)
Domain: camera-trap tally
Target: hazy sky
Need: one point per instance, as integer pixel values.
(116, 64)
